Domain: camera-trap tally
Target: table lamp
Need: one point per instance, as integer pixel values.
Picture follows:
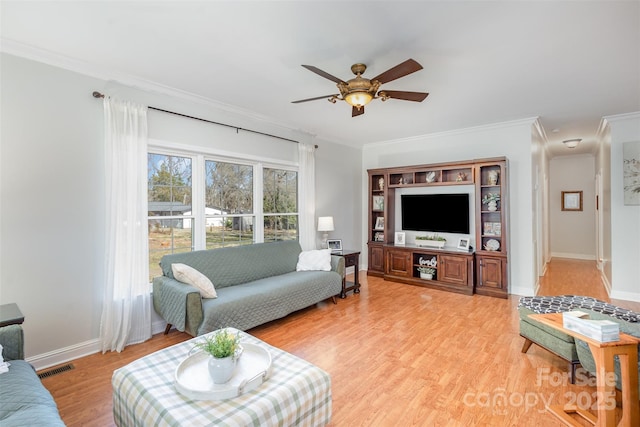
(325, 224)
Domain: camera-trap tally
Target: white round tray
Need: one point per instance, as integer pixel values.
(193, 381)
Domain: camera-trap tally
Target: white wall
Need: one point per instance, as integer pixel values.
(512, 140)
(338, 190)
(625, 220)
(52, 192)
(573, 233)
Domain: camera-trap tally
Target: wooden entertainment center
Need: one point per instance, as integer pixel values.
(482, 271)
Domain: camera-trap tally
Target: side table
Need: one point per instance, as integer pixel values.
(10, 314)
(351, 259)
(626, 348)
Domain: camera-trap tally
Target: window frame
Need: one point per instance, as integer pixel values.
(199, 155)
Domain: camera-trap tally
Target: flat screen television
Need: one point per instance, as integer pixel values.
(443, 213)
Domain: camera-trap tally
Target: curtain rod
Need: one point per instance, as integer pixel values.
(97, 94)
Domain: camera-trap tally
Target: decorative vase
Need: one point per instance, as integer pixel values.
(492, 205)
(221, 369)
(493, 177)
(426, 276)
(381, 183)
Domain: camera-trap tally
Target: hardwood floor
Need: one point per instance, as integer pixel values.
(398, 355)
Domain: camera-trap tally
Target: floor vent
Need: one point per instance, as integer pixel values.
(55, 371)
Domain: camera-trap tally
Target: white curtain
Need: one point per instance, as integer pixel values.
(307, 195)
(126, 316)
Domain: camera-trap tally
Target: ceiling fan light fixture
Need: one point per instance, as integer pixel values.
(572, 143)
(358, 99)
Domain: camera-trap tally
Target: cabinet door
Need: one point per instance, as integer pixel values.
(453, 269)
(490, 273)
(376, 258)
(398, 263)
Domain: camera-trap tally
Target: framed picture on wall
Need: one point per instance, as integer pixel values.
(572, 200)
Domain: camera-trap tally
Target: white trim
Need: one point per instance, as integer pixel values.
(173, 147)
(521, 290)
(627, 296)
(589, 257)
(65, 354)
(76, 351)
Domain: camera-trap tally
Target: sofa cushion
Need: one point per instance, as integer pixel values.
(221, 265)
(254, 303)
(24, 401)
(315, 260)
(185, 274)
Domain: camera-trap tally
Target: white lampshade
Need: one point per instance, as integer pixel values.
(325, 223)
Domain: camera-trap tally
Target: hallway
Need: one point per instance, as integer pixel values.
(566, 276)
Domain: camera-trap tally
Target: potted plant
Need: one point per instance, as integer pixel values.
(431, 241)
(426, 272)
(491, 200)
(224, 350)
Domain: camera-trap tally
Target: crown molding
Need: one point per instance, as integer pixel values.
(622, 117)
(112, 76)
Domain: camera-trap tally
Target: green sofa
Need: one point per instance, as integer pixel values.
(558, 343)
(24, 401)
(254, 283)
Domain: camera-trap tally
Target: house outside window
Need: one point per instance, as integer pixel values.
(198, 202)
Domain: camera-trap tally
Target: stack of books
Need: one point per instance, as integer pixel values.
(599, 330)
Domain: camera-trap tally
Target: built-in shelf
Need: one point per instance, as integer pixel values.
(488, 265)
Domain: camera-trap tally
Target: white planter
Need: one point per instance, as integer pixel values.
(430, 243)
(492, 206)
(221, 370)
(426, 276)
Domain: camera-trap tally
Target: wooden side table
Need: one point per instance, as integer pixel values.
(603, 354)
(351, 259)
(10, 314)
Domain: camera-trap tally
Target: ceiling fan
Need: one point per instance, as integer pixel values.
(359, 91)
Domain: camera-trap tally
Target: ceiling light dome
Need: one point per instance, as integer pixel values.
(358, 99)
(572, 143)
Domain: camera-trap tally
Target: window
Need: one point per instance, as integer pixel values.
(280, 204)
(228, 204)
(170, 214)
(199, 202)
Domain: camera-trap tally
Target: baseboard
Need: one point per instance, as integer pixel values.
(63, 355)
(67, 354)
(627, 296)
(522, 291)
(588, 257)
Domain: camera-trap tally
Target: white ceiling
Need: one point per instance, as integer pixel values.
(569, 63)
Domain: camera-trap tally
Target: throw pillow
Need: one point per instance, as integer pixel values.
(186, 274)
(314, 260)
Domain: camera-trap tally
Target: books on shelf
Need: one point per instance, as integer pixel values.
(599, 330)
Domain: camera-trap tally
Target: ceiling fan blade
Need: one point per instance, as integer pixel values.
(407, 67)
(355, 112)
(313, 99)
(406, 96)
(324, 74)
